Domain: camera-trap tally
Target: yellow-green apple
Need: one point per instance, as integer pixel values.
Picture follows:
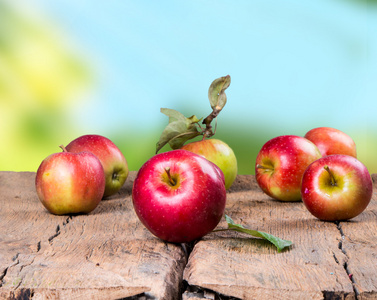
(113, 161)
(70, 183)
(219, 153)
(336, 187)
(332, 141)
(179, 196)
(280, 164)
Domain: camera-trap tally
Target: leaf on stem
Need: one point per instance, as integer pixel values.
(179, 129)
(278, 242)
(216, 92)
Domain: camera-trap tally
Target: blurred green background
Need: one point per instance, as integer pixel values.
(69, 68)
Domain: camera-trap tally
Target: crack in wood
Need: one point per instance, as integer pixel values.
(345, 264)
(331, 295)
(22, 294)
(26, 293)
(187, 249)
(21, 267)
(38, 246)
(142, 296)
(194, 291)
(2, 275)
(335, 258)
(14, 258)
(58, 231)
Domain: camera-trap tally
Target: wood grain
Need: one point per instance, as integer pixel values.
(360, 247)
(235, 265)
(106, 254)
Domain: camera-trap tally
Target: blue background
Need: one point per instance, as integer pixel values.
(294, 65)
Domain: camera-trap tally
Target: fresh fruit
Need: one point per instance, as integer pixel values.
(70, 183)
(219, 153)
(112, 159)
(336, 187)
(179, 196)
(181, 129)
(332, 141)
(281, 163)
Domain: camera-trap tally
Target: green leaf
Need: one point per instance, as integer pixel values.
(278, 242)
(172, 114)
(178, 141)
(216, 92)
(178, 131)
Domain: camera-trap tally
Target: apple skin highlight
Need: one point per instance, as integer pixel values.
(336, 187)
(332, 141)
(186, 209)
(280, 164)
(70, 183)
(112, 159)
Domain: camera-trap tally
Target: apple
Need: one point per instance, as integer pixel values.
(219, 153)
(70, 183)
(332, 141)
(336, 187)
(113, 161)
(179, 196)
(280, 164)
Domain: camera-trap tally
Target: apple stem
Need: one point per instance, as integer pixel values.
(333, 181)
(208, 132)
(263, 167)
(63, 148)
(171, 180)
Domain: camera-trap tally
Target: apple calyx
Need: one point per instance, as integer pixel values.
(180, 129)
(115, 176)
(268, 169)
(332, 177)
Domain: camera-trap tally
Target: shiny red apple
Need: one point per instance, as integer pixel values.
(280, 164)
(70, 183)
(219, 153)
(179, 196)
(332, 141)
(113, 161)
(336, 187)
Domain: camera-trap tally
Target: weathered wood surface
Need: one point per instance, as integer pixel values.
(327, 260)
(359, 244)
(108, 254)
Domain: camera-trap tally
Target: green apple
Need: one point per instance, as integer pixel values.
(219, 153)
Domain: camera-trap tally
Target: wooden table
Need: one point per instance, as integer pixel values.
(108, 254)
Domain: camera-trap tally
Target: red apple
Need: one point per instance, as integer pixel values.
(70, 183)
(281, 163)
(219, 153)
(112, 159)
(332, 141)
(179, 196)
(336, 187)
